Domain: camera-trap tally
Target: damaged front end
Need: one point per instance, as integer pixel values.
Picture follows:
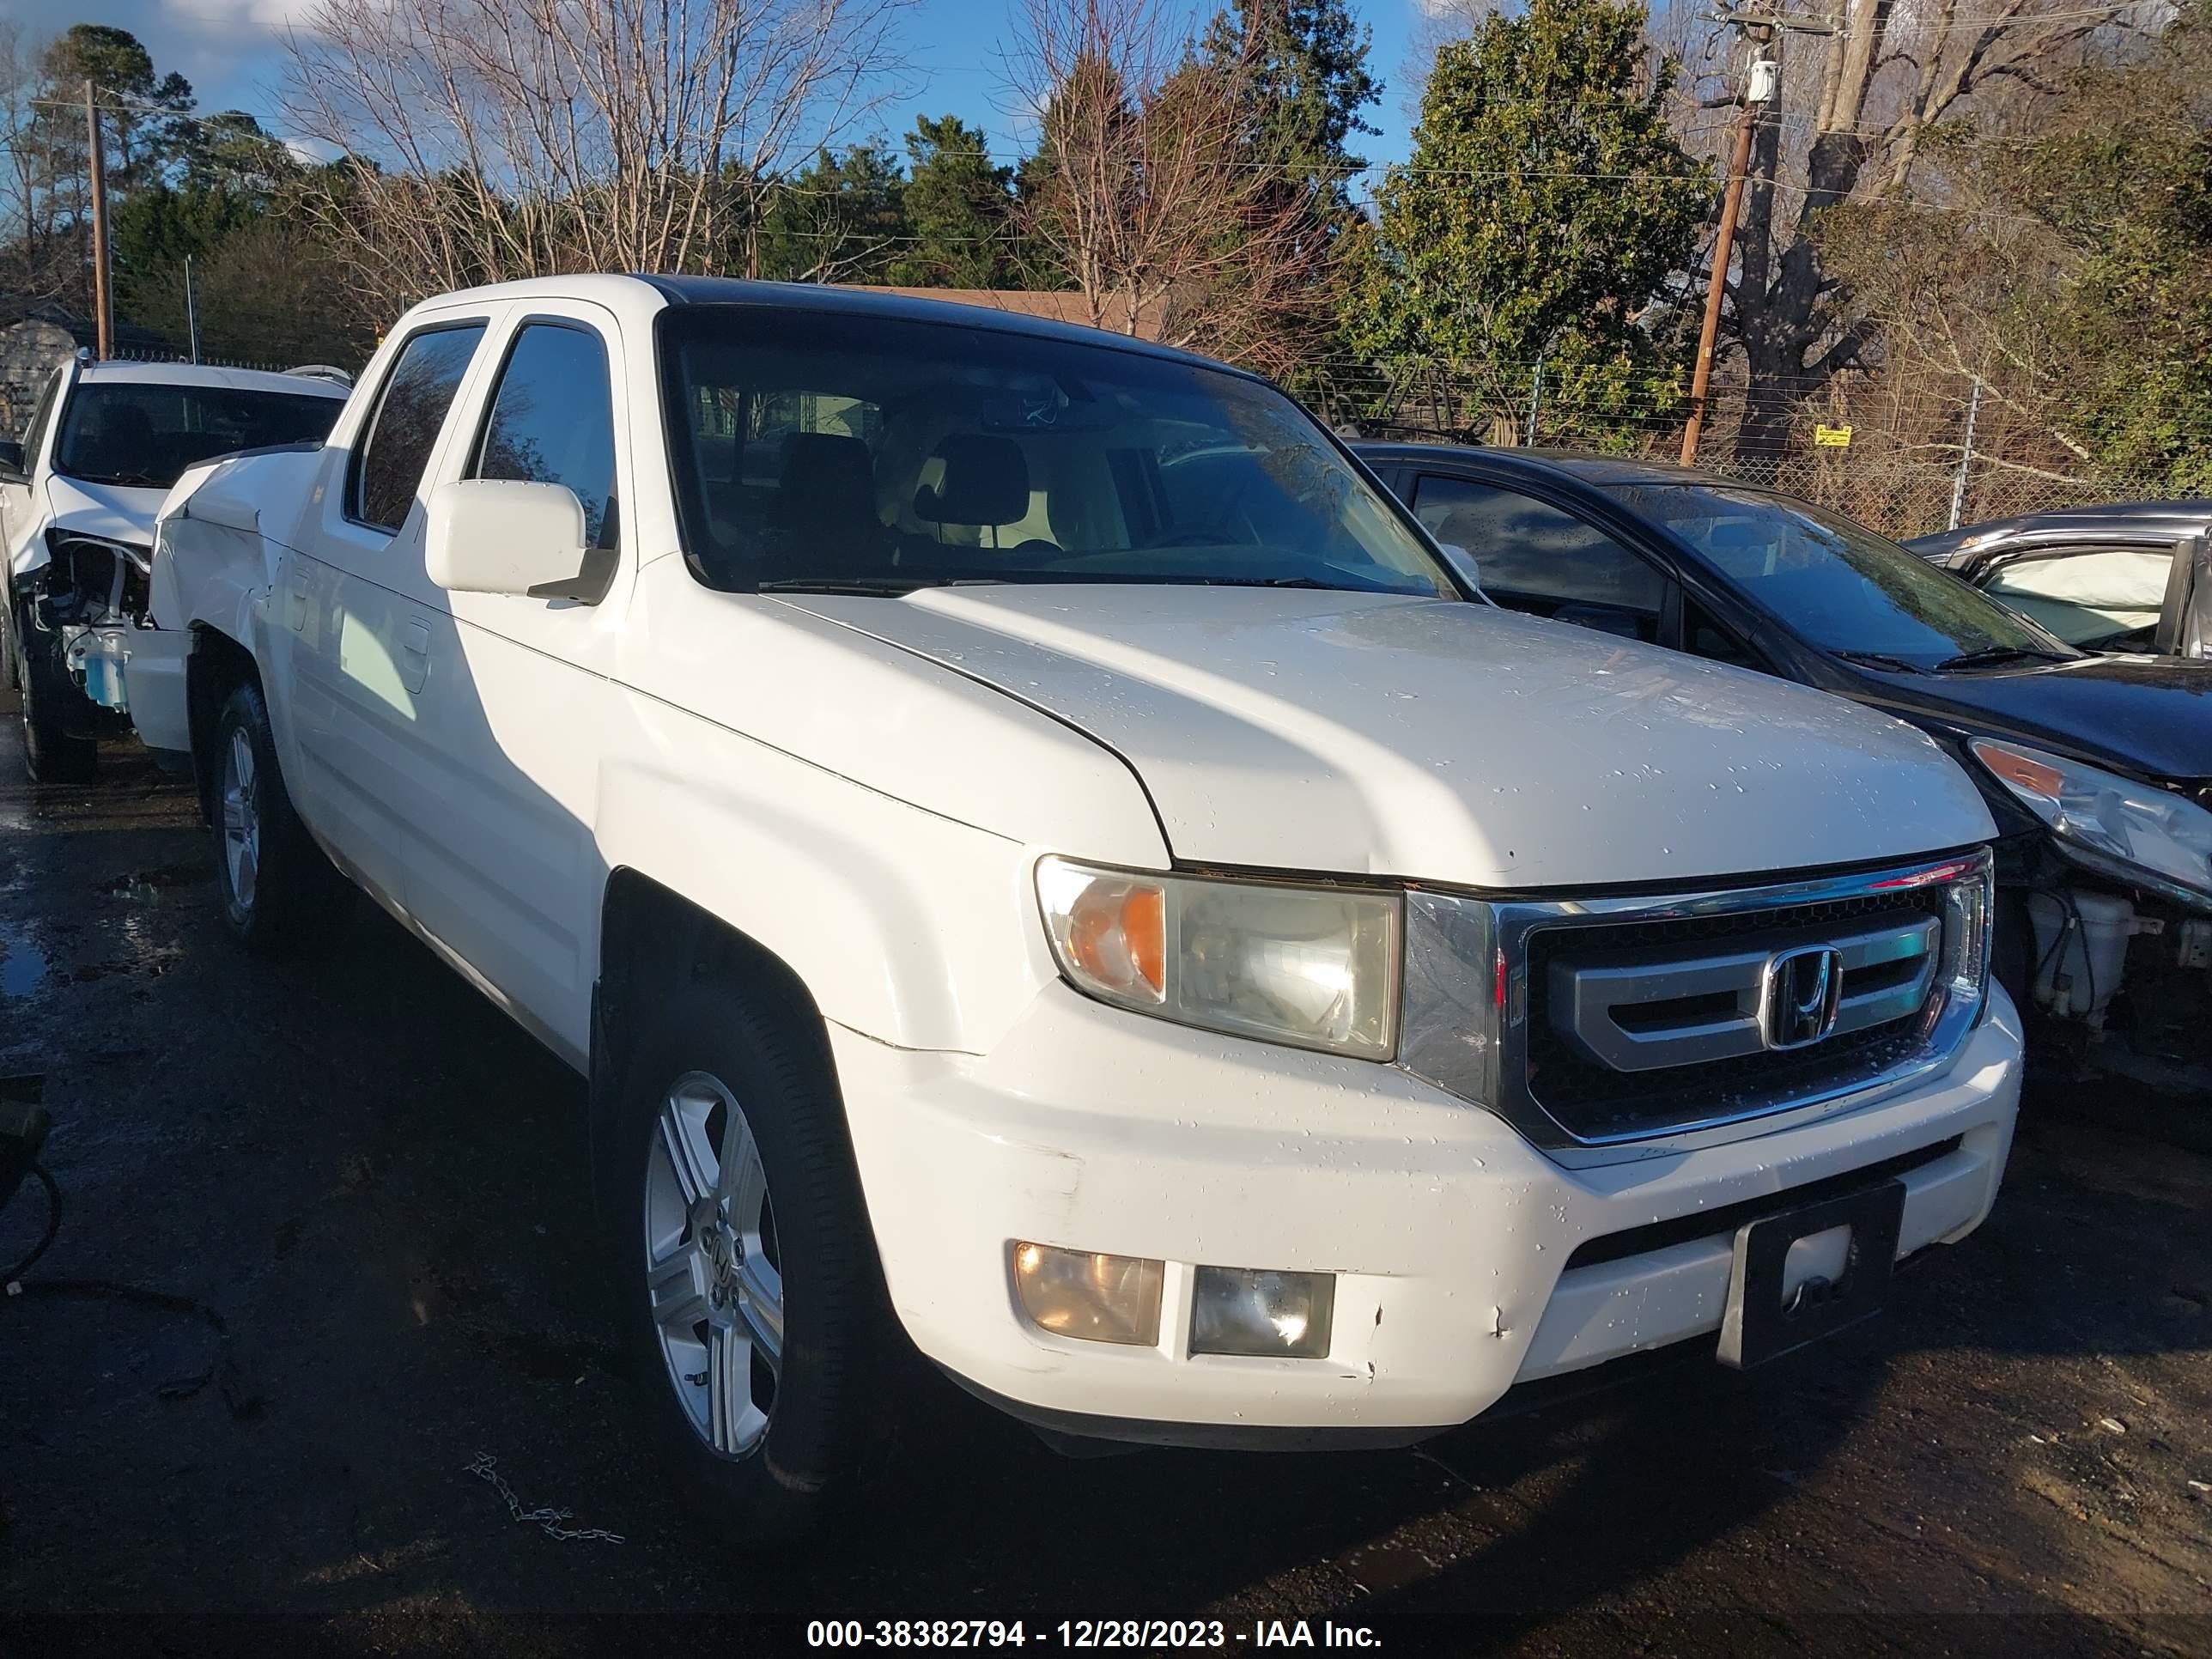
(2105, 915)
(84, 609)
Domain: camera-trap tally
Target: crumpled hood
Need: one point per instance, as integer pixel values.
(119, 513)
(111, 511)
(1358, 733)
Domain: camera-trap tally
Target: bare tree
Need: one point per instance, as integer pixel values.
(44, 251)
(1856, 106)
(1147, 187)
(484, 139)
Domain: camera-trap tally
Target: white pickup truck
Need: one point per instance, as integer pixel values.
(1031, 845)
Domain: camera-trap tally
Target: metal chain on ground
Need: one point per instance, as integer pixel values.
(485, 1467)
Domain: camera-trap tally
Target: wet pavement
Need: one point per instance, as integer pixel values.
(374, 1180)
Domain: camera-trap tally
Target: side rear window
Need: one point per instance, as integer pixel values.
(389, 459)
(552, 421)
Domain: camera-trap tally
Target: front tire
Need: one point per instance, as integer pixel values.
(53, 752)
(744, 1267)
(277, 887)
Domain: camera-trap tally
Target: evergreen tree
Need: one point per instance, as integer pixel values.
(1546, 207)
(142, 113)
(1308, 64)
(840, 219)
(959, 210)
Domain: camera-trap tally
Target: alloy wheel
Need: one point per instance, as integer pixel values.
(241, 820)
(713, 1274)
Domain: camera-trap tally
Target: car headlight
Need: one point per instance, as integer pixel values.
(1316, 967)
(2133, 830)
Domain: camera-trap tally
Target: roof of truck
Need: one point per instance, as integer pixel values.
(623, 293)
(117, 372)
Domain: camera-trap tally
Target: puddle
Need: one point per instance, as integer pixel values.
(22, 965)
(145, 884)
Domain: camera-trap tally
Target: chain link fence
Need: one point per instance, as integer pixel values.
(1905, 457)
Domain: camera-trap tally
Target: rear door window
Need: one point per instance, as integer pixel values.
(390, 457)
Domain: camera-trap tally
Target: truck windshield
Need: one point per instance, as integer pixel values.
(1838, 584)
(880, 454)
(142, 433)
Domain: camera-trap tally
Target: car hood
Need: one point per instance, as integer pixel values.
(108, 510)
(2150, 715)
(1453, 742)
(119, 513)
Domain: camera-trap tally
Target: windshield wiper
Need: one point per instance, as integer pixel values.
(1990, 655)
(1880, 659)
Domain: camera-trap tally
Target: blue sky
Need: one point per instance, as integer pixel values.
(229, 49)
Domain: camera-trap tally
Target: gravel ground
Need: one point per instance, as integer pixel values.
(374, 1180)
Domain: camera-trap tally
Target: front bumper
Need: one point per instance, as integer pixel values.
(1450, 1235)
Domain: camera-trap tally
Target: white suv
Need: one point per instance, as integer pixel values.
(78, 498)
(1025, 837)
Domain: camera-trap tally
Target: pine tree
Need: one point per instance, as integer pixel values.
(959, 210)
(840, 219)
(1546, 207)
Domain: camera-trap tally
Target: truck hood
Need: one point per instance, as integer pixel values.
(119, 513)
(111, 511)
(1445, 741)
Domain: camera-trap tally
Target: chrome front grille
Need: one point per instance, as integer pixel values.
(1591, 1023)
(1661, 1006)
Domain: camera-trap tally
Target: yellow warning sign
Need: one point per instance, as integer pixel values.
(1832, 437)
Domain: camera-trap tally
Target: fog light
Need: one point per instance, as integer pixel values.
(1080, 1293)
(1245, 1311)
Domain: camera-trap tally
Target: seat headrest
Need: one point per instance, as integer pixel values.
(987, 481)
(825, 472)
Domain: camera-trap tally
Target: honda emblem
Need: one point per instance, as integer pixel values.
(1800, 997)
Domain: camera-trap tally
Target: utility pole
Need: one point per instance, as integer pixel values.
(103, 302)
(1760, 87)
(191, 312)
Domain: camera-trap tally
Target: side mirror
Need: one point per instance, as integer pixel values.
(500, 536)
(14, 467)
(1463, 563)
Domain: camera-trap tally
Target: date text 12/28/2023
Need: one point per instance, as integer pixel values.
(1084, 1633)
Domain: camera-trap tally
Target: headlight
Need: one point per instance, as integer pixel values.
(2134, 830)
(1311, 966)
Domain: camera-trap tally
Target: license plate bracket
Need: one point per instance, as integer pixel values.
(1759, 1325)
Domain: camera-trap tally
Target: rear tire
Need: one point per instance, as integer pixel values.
(743, 1266)
(52, 752)
(277, 888)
